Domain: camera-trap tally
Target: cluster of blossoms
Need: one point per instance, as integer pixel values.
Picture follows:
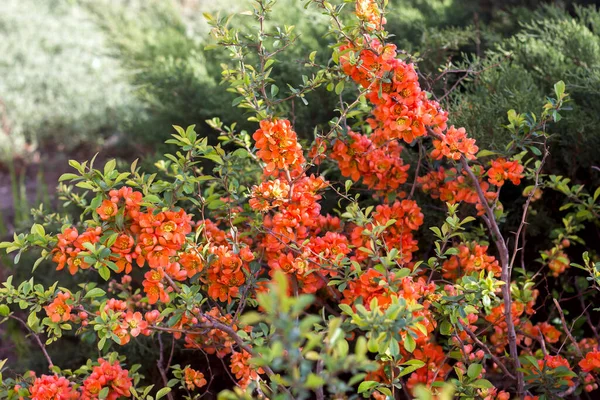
(290, 201)
(471, 257)
(557, 260)
(157, 240)
(51, 387)
(380, 167)
(590, 365)
(369, 12)
(144, 237)
(453, 187)
(454, 145)
(214, 341)
(373, 284)
(129, 323)
(242, 369)
(407, 218)
(193, 379)
(106, 375)
(502, 170)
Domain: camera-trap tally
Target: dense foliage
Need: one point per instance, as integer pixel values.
(374, 260)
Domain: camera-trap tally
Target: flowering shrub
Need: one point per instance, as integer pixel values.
(304, 286)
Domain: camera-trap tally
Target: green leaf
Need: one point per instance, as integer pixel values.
(339, 88)
(104, 272)
(412, 366)
(38, 230)
(103, 393)
(367, 385)
(314, 381)
(162, 392)
(474, 370)
(274, 90)
(32, 320)
(4, 310)
(485, 153)
(95, 292)
(67, 176)
(482, 384)
(559, 89)
(409, 344)
(110, 166)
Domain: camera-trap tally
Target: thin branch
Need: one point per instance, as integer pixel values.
(37, 340)
(500, 243)
(526, 206)
(487, 350)
(566, 328)
(161, 368)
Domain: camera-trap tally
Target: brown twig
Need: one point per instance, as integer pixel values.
(37, 340)
(566, 328)
(526, 207)
(490, 220)
(487, 350)
(160, 366)
(505, 276)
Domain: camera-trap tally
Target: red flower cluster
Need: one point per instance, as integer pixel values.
(472, 257)
(70, 244)
(453, 145)
(452, 187)
(52, 387)
(380, 167)
(226, 272)
(368, 11)
(373, 284)
(214, 341)
(435, 368)
(502, 170)
(107, 375)
(401, 109)
(278, 147)
(557, 260)
(193, 379)
(550, 333)
(497, 319)
(591, 362)
(156, 238)
(240, 367)
(552, 362)
(407, 217)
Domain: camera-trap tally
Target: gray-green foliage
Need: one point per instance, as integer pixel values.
(56, 82)
(553, 46)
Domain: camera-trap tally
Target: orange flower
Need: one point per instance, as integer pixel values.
(240, 367)
(368, 11)
(558, 261)
(193, 378)
(53, 387)
(502, 170)
(153, 286)
(278, 146)
(191, 262)
(591, 362)
(135, 323)
(453, 145)
(59, 310)
(107, 209)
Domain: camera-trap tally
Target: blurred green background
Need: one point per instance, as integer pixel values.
(111, 76)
